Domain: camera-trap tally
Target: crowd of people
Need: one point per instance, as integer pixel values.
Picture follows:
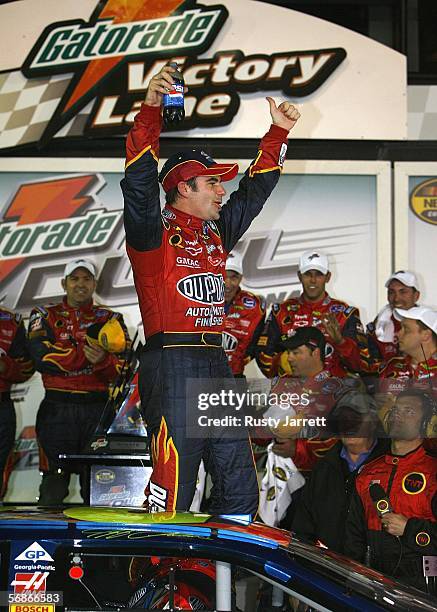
(376, 386)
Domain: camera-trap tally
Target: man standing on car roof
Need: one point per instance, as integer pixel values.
(178, 259)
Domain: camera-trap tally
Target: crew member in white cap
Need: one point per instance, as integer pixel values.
(245, 317)
(418, 344)
(339, 322)
(416, 366)
(402, 292)
(77, 368)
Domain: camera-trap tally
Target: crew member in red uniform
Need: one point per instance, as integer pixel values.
(402, 292)
(396, 521)
(244, 321)
(15, 367)
(178, 260)
(340, 323)
(310, 392)
(320, 389)
(76, 373)
(418, 363)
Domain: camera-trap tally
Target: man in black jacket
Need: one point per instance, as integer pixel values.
(322, 508)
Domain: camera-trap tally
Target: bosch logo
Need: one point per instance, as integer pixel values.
(202, 288)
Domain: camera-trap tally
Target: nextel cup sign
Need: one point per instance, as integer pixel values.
(202, 288)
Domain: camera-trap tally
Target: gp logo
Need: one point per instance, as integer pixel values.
(34, 552)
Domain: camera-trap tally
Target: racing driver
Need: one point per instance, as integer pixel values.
(178, 258)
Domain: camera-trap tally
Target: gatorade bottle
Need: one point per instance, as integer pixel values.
(173, 101)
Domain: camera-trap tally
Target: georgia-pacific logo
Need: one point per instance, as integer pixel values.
(423, 201)
(413, 483)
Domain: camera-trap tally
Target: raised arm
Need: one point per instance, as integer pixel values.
(142, 209)
(260, 178)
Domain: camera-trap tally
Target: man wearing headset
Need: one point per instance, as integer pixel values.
(418, 342)
(392, 518)
(418, 362)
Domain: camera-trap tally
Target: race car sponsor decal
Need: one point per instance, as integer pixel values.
(282, 154)
(249, 302)
(30, 565)
(230, 342)
(192, 250)
(216, 261)
(423, 538)
(99, 443)
(105, 475)
(336, 308)
(29, 582)
(414, 483)
(34, 552)
(29, 607)
(210, 316)
(205, 288)
(187, 262)
(161, 492)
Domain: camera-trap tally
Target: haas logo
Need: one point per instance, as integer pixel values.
(230, 342)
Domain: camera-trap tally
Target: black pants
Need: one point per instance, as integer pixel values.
(64, 427)
(169, 402)
(7, 437)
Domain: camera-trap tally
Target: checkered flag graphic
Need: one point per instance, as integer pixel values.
(27, 105)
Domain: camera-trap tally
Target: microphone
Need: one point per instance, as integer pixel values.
(380, 499)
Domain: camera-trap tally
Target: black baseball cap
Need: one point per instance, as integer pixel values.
(189, 164)
(308, 336)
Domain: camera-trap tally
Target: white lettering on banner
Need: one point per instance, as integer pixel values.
(67, 234)
(235, 71)
(76, 43)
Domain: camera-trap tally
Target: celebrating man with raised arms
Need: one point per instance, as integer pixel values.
(178, 259)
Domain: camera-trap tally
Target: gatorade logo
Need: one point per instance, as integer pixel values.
(414, 483)
(35, 552)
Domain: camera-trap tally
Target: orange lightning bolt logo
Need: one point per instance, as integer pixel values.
(34, 203)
